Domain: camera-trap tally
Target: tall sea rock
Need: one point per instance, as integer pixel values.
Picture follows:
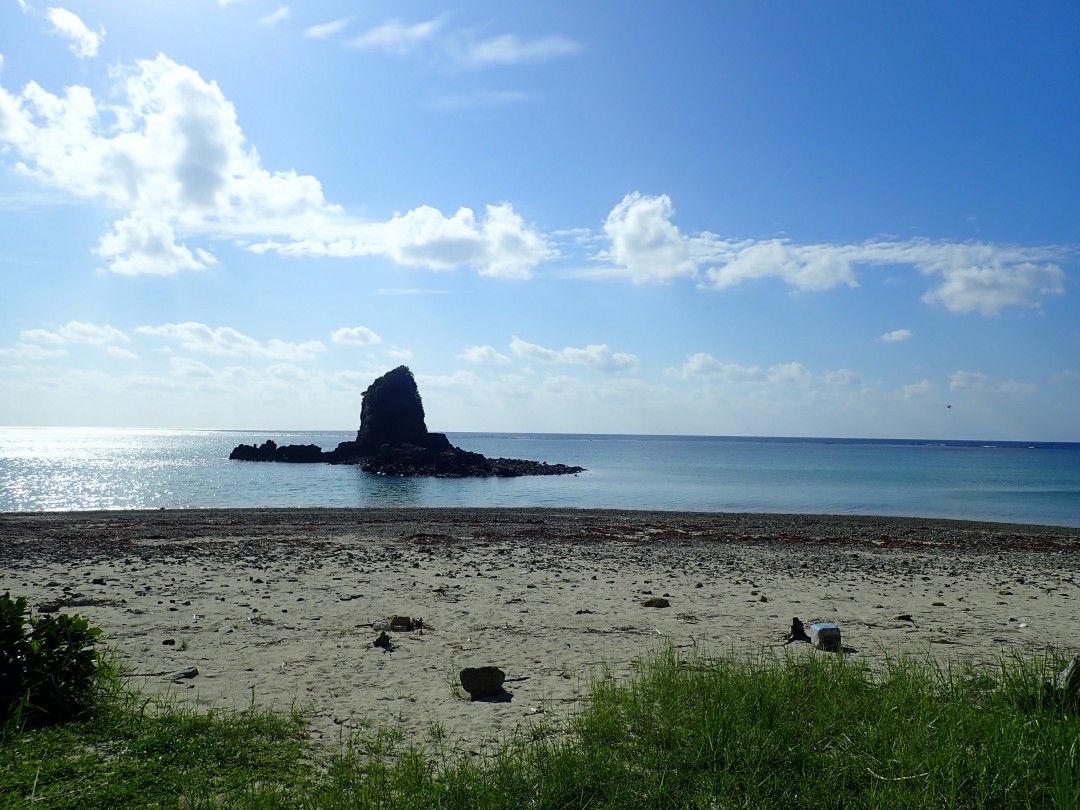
(393, 439)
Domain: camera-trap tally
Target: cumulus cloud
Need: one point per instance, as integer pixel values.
(355, 336)
(970, 277)
(82, 42)
(897, 335)
(989, 288)
(484, 355)
(704, 365)
(226, 341)
(645, 245)
(396, 37)
(326, 29)
(788, 372)
(805, 267)
(77, 332)
(171, 157)
(120, 353)
(842, 376)
(645, 242)
(923, 388)
(597, 357)
(498, 245)
(968, 381)
(33, 352)
(977, 382)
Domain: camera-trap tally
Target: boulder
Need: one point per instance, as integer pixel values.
(482, 682)
(393, 439)
(391, 413)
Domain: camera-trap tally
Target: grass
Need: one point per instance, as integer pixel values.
(808, 730)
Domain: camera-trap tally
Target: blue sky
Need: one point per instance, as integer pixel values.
(815, 219)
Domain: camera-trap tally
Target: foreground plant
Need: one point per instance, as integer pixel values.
(808, 730)
(48, 666)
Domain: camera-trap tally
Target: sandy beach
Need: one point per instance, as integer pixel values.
(279, 607)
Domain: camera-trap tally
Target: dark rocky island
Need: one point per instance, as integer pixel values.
(393, 439)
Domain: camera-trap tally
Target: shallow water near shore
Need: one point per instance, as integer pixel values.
(45, 469)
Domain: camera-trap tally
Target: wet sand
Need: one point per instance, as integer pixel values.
(277, 607)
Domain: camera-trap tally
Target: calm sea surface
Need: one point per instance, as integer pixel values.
(1019, 482)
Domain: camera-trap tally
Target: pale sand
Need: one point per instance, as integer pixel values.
(276, 606)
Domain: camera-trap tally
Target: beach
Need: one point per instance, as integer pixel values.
(279, 608)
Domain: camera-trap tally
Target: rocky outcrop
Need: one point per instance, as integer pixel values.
(393, 439)
(482, 682)
(269, 451)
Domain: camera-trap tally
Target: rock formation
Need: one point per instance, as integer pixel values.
(393, 439)
(482, 682)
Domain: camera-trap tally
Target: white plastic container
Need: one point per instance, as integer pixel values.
(825, 637)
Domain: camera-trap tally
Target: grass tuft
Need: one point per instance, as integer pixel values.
(804, 730)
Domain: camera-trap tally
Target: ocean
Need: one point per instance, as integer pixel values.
(48, 469)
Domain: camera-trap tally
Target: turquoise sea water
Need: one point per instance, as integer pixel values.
(1019, 482)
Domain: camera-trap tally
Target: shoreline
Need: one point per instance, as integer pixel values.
(812, 524)
(275, 606)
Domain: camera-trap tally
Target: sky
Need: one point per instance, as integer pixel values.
(708, 218)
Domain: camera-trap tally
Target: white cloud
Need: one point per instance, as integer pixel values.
(144, 245)
(79, 332)
(645, 245)
(968, 381)
(226, 341)
(326, 29)
(806, 267)
(32, 352)
(923, 388)
(989, 289)
(186, 367)
(82, 42)
(975, 277)
(532, 351)
(842, 376)
(897, 335)
(41, 336)
(703, 364)
(396, 37)
(171, 157)
(355, 336)
(979, 383)
(597, 357)
(484, 355)
(1067, 375)
(1016, 389)
(509, 49)
(788, 373)
(645, 242)
(121, 354)
(82, 332)
(275, 17)
(499, 245)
